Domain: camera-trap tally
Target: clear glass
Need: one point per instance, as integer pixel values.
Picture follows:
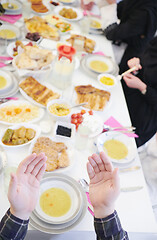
(85, 25)
(82, 138)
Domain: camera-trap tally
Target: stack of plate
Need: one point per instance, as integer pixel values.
(8, 84)
(54, 225)
(95, 26)
(112, 67)
(13, 11)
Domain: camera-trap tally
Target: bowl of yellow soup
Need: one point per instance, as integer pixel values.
(95, 23)
(118, 147)
(59, 109)
(60, 201)
(6, 82)
(99, 64)
(107, 80)
(9, 32)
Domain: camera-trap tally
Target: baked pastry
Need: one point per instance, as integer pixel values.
(96, 98)
(55, 159)
(38, 6)
(38, 92)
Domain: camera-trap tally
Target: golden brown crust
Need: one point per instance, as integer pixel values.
(37, 91)
(96, 98)
(87, 44)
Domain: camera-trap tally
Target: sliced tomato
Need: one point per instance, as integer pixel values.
(74, 115)
(90, 112)
(83, 111)
(79, 115)
(74, 121)
(77, 125)
(79, 120)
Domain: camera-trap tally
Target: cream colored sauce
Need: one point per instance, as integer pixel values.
(3, 82)
(7, 34)
(107, 81)
(55, 202)
(115, 149)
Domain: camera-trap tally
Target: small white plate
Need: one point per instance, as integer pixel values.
(122, 138)
(48, 85)
(69, 188)
(78, 12)
(101, 58)
(108, 76)
(97, 20)
(12, 28)
(13, 90)
(67, 2)
(26, 125)
(17, 103)
(19, 7)
(70, 152)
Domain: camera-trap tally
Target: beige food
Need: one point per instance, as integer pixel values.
(81, 43)
(18, 136)
(19, 113)
(95, 24)
(68, 13)
(7, 34)
(55, 202)
(98, 66)
(56, 153)
(107, 81)
(96, 98)
(115, 149)
(37, 24)
(38, 92)
(59, 109)
(33, 58)
(3, 82)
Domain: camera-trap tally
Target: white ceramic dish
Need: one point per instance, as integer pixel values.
(67, 2)
(48, 85)
(58, 101)
(68, 125)
(12, 28)
(19, 7)
(9, 82)
(78, 12)
(70, 152)
(39, 224)
(17, 126)
(101, 58)
(122, 138)
(13, 90)
(11, 46)
(17, 103)
(108, 76)
(74, 196)
(95, 28)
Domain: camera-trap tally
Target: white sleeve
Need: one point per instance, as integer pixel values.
(108, 15)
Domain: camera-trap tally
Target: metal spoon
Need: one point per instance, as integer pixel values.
(10, 6)
(128, 71)
(78, 105)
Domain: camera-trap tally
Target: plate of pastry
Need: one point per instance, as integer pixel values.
(59, 153)
(29, 88)
(96, 99)
(18, 111)
(69, 13)
(19, 135)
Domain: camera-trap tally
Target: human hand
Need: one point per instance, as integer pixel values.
(135, 62)
(134, 82)
(104, 186)
(24, 185)
(111, 1)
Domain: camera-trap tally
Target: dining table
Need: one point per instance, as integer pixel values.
(133, 207)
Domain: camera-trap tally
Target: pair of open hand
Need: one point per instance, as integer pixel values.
(24, 185)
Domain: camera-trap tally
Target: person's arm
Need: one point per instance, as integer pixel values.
(134, 26)
(12, 227)
(104, 189)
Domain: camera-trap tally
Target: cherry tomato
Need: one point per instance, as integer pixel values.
(79, 115)
(79, 120)
(83, 111)
(77, 125)
(90, 112)
(74, 121)
(74, 115)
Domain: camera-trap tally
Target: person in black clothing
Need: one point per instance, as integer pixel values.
(138, 24)
(141, 93)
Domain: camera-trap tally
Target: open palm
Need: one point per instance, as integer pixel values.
(24, 186)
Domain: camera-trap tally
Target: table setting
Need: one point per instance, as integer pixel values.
(60, 93)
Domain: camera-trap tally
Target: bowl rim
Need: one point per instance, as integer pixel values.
(60, 100)
(107, 75)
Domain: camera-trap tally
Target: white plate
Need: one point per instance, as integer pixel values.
(78, 12)
(101, 58)
(12, 45)
(16, 103)
(69, 188)
(17, 126)
(19, 7)
(70, 152)
(48, 85)
(12, 28)
(122, 138)
(13, 90)
(108, 105)
(99, 21)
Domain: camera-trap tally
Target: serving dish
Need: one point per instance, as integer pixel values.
(107, 81)
(122, 138)
(8, 27)
(17, 126)
(78, 12)
(59, 102)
